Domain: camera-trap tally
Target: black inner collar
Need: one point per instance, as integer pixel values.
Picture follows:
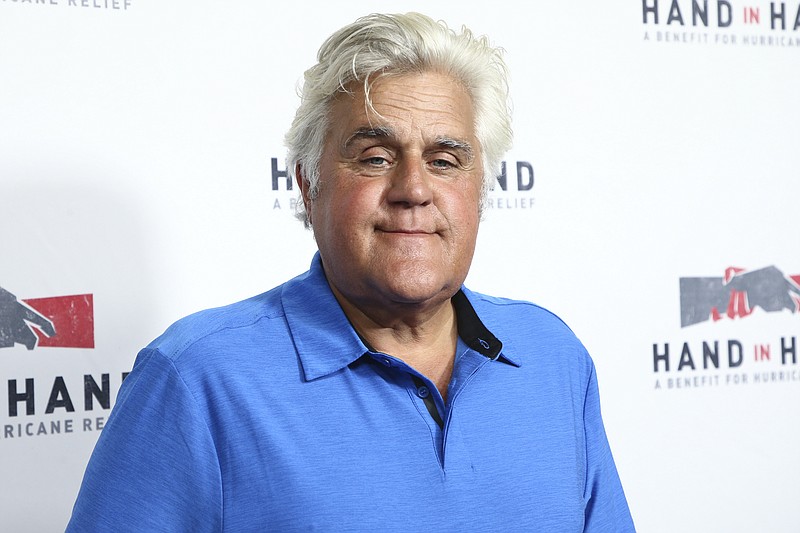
(471, 329)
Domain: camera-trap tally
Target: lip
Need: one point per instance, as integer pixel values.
(405, 231)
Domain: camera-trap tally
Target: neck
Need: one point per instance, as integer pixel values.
(424, 337)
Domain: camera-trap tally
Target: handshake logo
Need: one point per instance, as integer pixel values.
(738, 294)
(62, 321)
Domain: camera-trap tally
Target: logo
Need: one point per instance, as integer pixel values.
(722, 22)
(747, 354)
(38, 405)
(516, 195)
(61, 321)
(738, 293)
(513, 188)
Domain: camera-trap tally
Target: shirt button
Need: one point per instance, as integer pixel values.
(386, 362)
(423, 392)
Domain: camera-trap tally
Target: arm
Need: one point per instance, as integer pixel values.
(155, 466)
(606, 506)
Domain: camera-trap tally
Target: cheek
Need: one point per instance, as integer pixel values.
(461, 206)
(360, 200)
(465, 219)
(341, 211)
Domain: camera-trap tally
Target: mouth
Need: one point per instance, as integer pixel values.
(405, 231)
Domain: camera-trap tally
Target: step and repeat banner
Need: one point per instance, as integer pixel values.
(651, 200)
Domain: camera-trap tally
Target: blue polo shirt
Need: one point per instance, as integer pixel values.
(273, 415)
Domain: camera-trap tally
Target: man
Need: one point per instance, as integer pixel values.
(374, 392)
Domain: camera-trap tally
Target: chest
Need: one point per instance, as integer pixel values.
(360, 452)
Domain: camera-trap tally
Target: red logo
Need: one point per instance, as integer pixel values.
(62, 321)
(737, 294)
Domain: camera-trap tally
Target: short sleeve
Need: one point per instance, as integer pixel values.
(606, 507)
(154, 467)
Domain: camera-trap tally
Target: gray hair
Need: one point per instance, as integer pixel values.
(378, 45)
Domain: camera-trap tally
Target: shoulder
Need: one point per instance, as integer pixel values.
(530, 332)
(509, 313)
(218, 325)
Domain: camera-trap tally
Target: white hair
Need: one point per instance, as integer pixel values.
(378, 45)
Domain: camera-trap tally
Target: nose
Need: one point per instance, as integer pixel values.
(410, 184)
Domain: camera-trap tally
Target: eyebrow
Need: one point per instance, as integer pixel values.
(464, 146)
(379, 132)
(384, 132)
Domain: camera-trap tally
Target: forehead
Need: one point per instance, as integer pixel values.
(427, 104)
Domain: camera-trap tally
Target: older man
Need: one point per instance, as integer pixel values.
(374, 392)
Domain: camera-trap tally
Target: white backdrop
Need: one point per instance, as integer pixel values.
(137, 141)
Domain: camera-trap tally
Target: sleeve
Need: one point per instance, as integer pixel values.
(606, 508)
(154, 467)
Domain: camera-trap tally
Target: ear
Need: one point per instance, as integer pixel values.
(303, 185)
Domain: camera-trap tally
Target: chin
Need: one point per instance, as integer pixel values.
(416, 291)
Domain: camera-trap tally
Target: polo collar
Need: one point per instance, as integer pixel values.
(326, 341)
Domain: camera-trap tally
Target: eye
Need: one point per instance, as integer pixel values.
(375, 160)
(442, 163)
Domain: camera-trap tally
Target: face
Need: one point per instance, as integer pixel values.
(396, 217)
